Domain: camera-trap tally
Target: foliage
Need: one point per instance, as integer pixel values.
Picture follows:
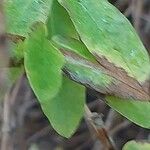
(20, 15)
(66, 109)
(133, 145)
(43, 65)
(135, 111)
(97, 47)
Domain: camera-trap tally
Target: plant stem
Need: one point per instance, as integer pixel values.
(96, 125)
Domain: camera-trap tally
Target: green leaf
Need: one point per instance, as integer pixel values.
(88, 74)
(72, 45)
(16, 52)
(43, 65)
(133, 145)
(21, 14)
(136, 111)
(66, 109)
(79, 66)
(82, 67)
(59, 22)
(108, 34)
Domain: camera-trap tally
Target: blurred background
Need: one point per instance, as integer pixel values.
(24, 126)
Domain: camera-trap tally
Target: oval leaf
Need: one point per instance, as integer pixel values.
(83, 68)
(109, 36)
(66, 109)
(133, 145)
(43, 65)
(136, 111)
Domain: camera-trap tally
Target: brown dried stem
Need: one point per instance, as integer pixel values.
(97, 129)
